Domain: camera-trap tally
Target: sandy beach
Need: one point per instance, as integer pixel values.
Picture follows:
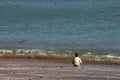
(28, 69)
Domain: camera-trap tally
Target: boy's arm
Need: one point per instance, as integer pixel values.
(80, 61)
(73, 62)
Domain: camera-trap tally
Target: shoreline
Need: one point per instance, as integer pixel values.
(63, 55)
(28, 69)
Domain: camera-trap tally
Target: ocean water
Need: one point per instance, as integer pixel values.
(60, 24)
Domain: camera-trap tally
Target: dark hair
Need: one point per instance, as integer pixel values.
(76, 54)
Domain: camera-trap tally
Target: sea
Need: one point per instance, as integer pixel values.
(61, 24)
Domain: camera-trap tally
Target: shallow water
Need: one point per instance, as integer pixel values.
(54, 63)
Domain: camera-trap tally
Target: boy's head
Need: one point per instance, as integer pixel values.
(76, 54)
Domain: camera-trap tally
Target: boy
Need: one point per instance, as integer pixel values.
(77, 61)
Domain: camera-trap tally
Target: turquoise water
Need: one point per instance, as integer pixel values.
(60, 24)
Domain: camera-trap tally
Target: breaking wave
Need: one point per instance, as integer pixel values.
(60, 54)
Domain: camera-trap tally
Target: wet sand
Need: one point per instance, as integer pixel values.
(28, 69)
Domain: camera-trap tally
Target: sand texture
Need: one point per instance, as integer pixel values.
(26, 69)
